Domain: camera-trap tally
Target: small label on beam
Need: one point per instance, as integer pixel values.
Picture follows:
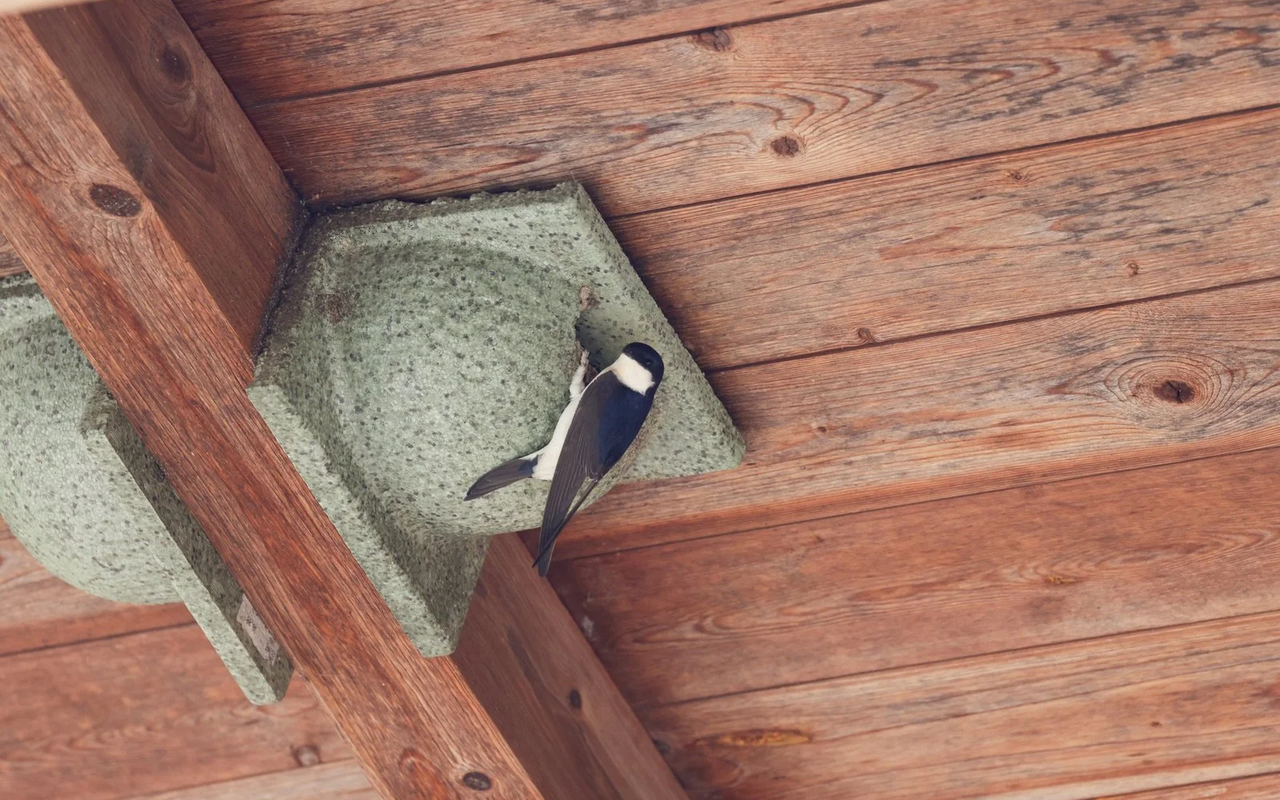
(253, 625)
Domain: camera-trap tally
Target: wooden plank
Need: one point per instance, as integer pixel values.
(23, 6)
(10, 264)
(120, 275)
(300, 47)
(1262, 787)
(966, 576)
(948, 247)
(151, 712)
(794, 101)
(1106, 716)
(42, 611)
(1087, 393)
(339, 780)
(520, 650)
(344, 781)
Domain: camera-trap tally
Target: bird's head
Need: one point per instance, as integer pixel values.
(647, 357)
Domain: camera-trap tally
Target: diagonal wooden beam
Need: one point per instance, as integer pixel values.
(155, 221)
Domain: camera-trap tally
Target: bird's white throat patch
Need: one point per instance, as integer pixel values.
(632, 375)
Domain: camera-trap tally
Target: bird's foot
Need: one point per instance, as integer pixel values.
(579, 383)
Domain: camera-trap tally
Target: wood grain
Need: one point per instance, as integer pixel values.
(151, 712)
(1086, 393)
(10, 264)
(978, 574)
(520, 650)
(186, 146)
(1262, 787)
(1106, 716)
(42, 611)
(118, 272)
(339, 780)
(783, 103)
(299, 47)
(948, 247)
(23, 6)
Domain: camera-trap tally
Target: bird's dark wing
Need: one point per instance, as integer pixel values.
(608, 418)
(579, 459)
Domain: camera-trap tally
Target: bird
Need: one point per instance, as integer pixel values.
(593, 433)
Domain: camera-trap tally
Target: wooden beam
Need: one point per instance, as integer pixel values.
(144, 204)
(528, 663)
(162, 117)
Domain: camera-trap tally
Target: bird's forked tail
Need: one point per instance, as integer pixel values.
(502, 475)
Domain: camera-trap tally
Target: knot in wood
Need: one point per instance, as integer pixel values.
(786, 146)
(1175, 391)
(114, 200)
(1173, 388)
(715, 39)
(575, 699)
(174, 64)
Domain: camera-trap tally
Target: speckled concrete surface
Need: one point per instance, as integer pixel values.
(181, 548)
(114, 530)
(65, 510)
(419, 345)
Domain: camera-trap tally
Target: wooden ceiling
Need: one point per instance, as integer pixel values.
(991, 288)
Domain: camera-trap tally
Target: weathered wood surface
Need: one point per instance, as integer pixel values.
(1262, 787)
(10, 264)
(521, 651)
(935, 581)
(93, 229)
(37, 610)
(169, 123)
(339, 780)
(1106, 716)
(23, 6)
(783, 103)
(941, 248)
(1087, 393)
(146, 713)
(290, 48)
